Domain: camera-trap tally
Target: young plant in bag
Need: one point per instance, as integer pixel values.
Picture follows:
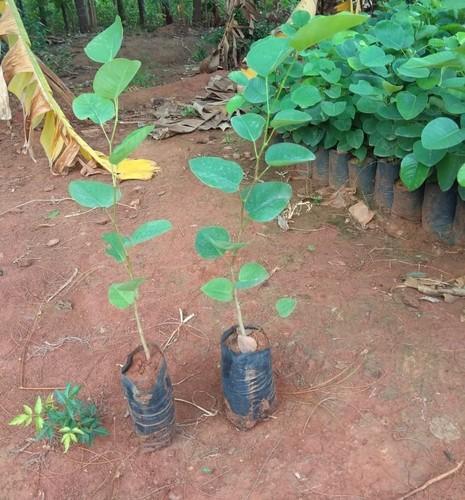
(272, 61)
(102, 107)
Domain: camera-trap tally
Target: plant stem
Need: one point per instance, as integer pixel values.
(113, 216)
(240, 321)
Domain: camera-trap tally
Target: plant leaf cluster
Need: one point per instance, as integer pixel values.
(64, 417)
(391, 86)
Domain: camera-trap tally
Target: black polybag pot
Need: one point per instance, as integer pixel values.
(459, 222)
(152, 410)
(407, 204)
(362, 178)
(320, 170)
(438, 211)
(386, 174)
(338, 169)
(248, 386)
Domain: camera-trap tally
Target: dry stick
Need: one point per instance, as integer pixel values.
(51, 200)
(433, 481)
(267, 459)
(65, 284)
(182, 321)
(320, 403)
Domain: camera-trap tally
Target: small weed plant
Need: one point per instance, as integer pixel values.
(64, 417)
(101, 107)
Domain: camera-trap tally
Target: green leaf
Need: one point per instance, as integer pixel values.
(53, 213)
(409, 130)
(427, 157)
(461, 176)
(320, 28)
(235, 103)
(285, 306)
(393, 35)
(249, 126)
(290, 117)
(374, 57)
(333, 108)
(114, 76)
(442, 133)
(267, 54)
(256, 91)
(115, 245)
(122, 295)
(27, 410)
(93, 107)
(104, 47)
(217, 173)
(355, 138)
(410, 69)
(266, 201)
(22, 419)
(412, 173)
(410, 105)
(332, 76)
(285, 153)
(220, 289)
(130, 143)
(238, 77)
(93, 194)
(147, 231)
(306, 96)
(250, 275)
(367, 105)
(447, 170)
(38, 406)
(209, 242)
(362, 87)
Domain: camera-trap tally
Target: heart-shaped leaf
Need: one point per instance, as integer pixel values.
(114, 77)
(210, 242)
(285, 153)
(249, 126)
(411, 105)
(217, 173)
(412, 173)
(285, 306)
(442, 133)
(220, 289)
(93, 107)
(93, 194)
(250, 275)
(104, 47)
(123, 295)
(266, 201)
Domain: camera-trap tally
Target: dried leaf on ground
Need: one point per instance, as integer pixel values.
(361, 213)
(450, 291)
(26, 79)
(5, 111)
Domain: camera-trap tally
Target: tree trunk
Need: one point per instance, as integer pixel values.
(197, 13)
(92, 11)
(83, 18)
(141, 4)
(120, 9)
(65, 16)
(42, 7)
(166, 11)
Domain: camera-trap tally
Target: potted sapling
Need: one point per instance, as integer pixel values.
(144, 376)
(246, 366)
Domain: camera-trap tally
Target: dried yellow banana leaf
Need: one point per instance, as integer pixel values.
(5, 111)
(25, 78)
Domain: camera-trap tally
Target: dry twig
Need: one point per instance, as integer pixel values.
(433, 481)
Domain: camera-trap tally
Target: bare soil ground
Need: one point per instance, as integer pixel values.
(370, 378)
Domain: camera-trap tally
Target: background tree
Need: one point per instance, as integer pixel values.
(121, 10)
(197, 12)
(141, 5)
(42, 10)
(83, 15)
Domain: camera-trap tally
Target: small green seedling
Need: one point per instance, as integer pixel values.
(101, 107)
(62, 416)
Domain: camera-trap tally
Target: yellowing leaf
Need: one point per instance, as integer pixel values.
(249, 73)
(136, 169)
(25, 78)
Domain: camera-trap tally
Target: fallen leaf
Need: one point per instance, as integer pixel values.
(361, 213)
(53, 242)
